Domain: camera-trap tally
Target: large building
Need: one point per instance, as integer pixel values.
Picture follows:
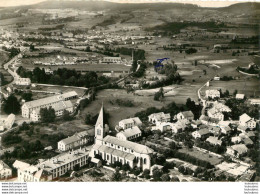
(112, 149)
(74, 141)
(52, 168)
(59, 103)
(129, 134)
(23, 81)
(112, 60)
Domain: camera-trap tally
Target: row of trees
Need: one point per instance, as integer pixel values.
(63, 76)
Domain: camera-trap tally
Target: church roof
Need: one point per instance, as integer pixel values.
(139, 148)
(100, 120)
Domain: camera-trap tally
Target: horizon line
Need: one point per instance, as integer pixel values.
(203, 3)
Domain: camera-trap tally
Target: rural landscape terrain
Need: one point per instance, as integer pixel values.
(102, 91)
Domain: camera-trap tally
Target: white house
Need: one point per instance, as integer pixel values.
(212, 94)
(159, 117)
(214, 140)
(240, 96)
(236, 139)
(28, 173)
(129, 134)
(5, 170)
(214, 113)
(237, 150)
(200, 133)
(78, 139)
(185, 115)
(247, 121)
(23, 81)
(129, 123)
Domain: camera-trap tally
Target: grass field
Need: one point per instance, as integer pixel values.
(116, 112)
(201, 155)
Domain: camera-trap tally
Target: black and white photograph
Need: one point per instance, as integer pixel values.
(129, 91)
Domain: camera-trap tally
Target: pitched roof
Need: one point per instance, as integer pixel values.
(240, 148)
(213, 140)
(61, 105)
(3, 165)
(245, 118)
(187, 114)
(69, 94)
(131, 131)
(139, 148)
(70, 139)
(48, 100)
(204, 131)
(100, 120)
(20, 165)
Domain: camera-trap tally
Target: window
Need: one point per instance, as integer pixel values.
(107, 157)
(118, 146)
(144, 160)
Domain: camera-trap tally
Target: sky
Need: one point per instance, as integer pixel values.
(202, 3)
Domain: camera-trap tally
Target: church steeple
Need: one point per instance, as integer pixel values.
(99, 127)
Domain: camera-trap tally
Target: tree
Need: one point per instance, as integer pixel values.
(47, 115)
(159, 95)
(235, 93)
(116, 175)
(157, 173)
(175, 179)
(11, 105)
(146, 174)
(165, 178)
(66, 116)
(27, 96)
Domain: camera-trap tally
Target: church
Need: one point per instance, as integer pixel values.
(112, 149)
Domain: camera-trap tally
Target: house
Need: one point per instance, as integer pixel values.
(247, 121)
(225, 129)
(96, 161)
(108, 60)
(208, 121)
(159, 117)
(214, 113)
(242, 128)
(214, 140)
(221, 107)
(237, 150)
(111, 149)
(212, 94)
(129, 134)
(236, 139)
(5, 170)
(201, 133)
(255, 101)
(185, 115)
(29, 173)
(162, 126)
(195, 124)
(78, 139)
(240, 96)
(60, 102)
(129, 123)
(179, 126)
(23, 81)
(215, 130)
